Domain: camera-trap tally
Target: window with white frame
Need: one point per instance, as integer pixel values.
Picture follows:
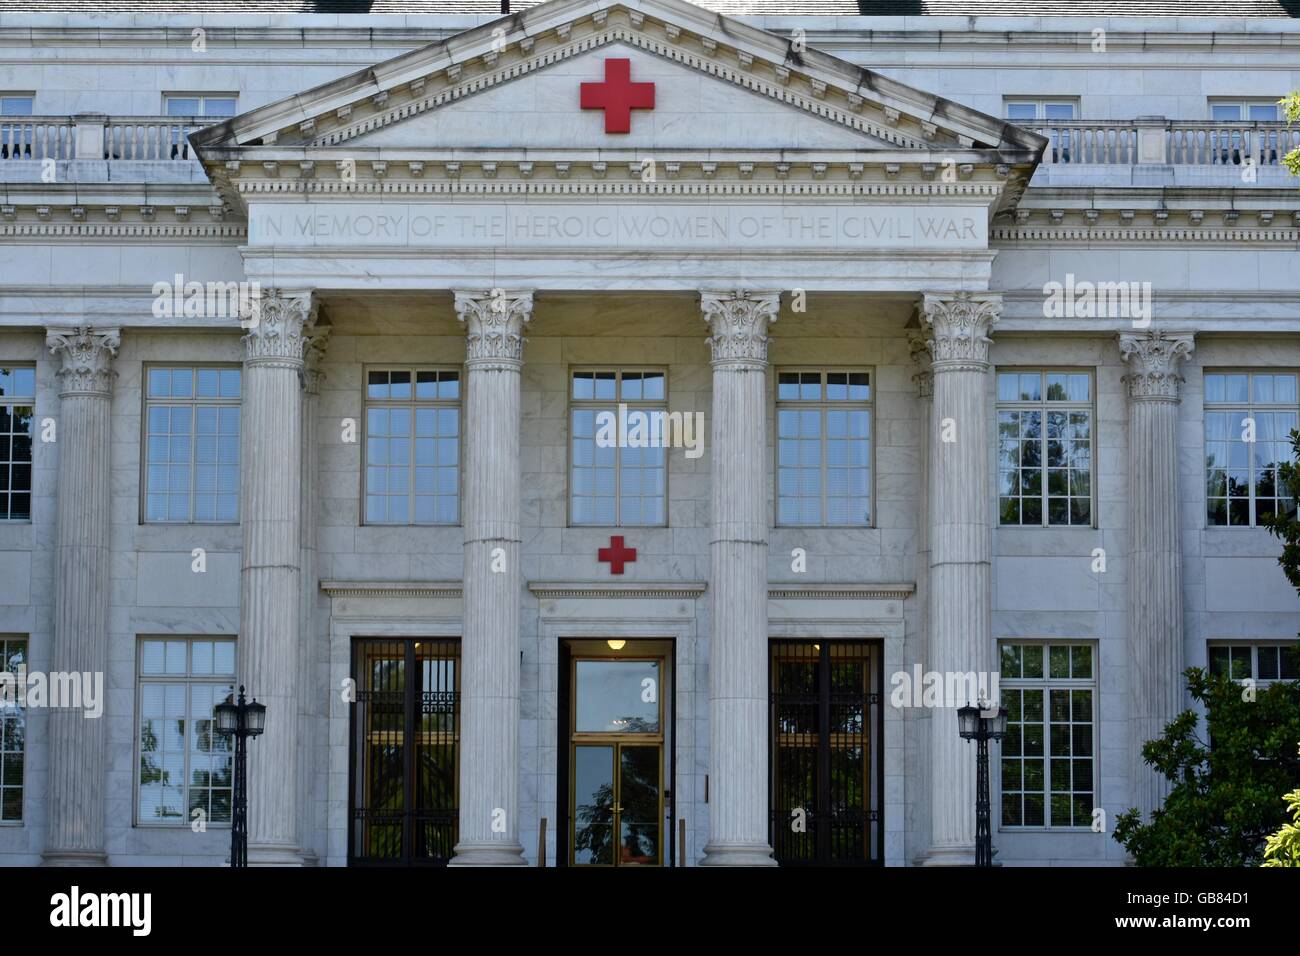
(1028, 109)
(1248, 420)
(615, 482)
(412, 446)
(1262, 663)
(15, 138)
(13, 732)
(1045, 443)
(184, 764)
(823, 457)
(1233, 145)
(1042, 113)
(17, 398)
(1231, 111)
(215, 105)
(1049, 768)
(191, 458)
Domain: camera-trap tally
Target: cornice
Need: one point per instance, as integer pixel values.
(552, 590)
(392, 589)
(220, 232)
(841, 592)
(598, 178)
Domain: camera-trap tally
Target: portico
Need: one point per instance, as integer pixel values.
(472, 176)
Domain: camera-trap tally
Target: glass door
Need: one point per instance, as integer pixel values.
(617, 762)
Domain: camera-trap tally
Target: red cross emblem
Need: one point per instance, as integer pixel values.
(616, 554)
(618, 96)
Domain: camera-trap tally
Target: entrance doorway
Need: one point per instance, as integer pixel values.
(825, 754)
(404, 753)
(615, 773)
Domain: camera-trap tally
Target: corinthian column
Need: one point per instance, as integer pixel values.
(1155, 617)
(959, 620)
(75, 834)
(270, 601)
(738, 664)
(489, 775)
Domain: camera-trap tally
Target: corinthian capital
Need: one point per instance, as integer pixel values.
(281, 326)
(494, 325)
(1153, 359)
(87, 359)
(739, 321)
(960, 325)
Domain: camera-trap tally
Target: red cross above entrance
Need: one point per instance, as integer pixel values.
(618, 96)
(616, 554)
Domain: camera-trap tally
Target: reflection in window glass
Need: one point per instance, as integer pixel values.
(1249, 417)
(620, 697)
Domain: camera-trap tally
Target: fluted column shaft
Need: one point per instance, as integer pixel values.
(310, 703)
(270, 601)
(738, 656)
(920, 644)
(1155, 616)
(75, 833)
(960, 617)
(489, 763)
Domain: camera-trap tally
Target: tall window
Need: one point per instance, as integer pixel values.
(1248, 416)
(17, 396)
(615, 482)
(1263, 663)
(823, 458)
(185, 765)
(13, 733)
(412, 446)
(1049, 776)
(192, 445)
(1045, 446)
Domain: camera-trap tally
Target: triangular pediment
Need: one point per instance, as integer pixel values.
(514, 84)
(541, 109)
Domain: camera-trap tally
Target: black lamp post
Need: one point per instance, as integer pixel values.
(241, 720)
(973, 725)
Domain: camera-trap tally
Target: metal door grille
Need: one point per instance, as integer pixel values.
(825, 755)
(404, 755)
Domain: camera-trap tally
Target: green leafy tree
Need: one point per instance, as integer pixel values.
(1283, 847)
(1291, 110)
(1223, 804)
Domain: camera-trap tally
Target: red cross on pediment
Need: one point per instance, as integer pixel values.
(618, 96)
(616, 554)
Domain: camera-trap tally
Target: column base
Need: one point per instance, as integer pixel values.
(274, 854)
(488, 854)
(950, 856)
(758, 854)
(74, 858)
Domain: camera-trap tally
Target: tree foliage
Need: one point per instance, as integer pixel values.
(1224, 803)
